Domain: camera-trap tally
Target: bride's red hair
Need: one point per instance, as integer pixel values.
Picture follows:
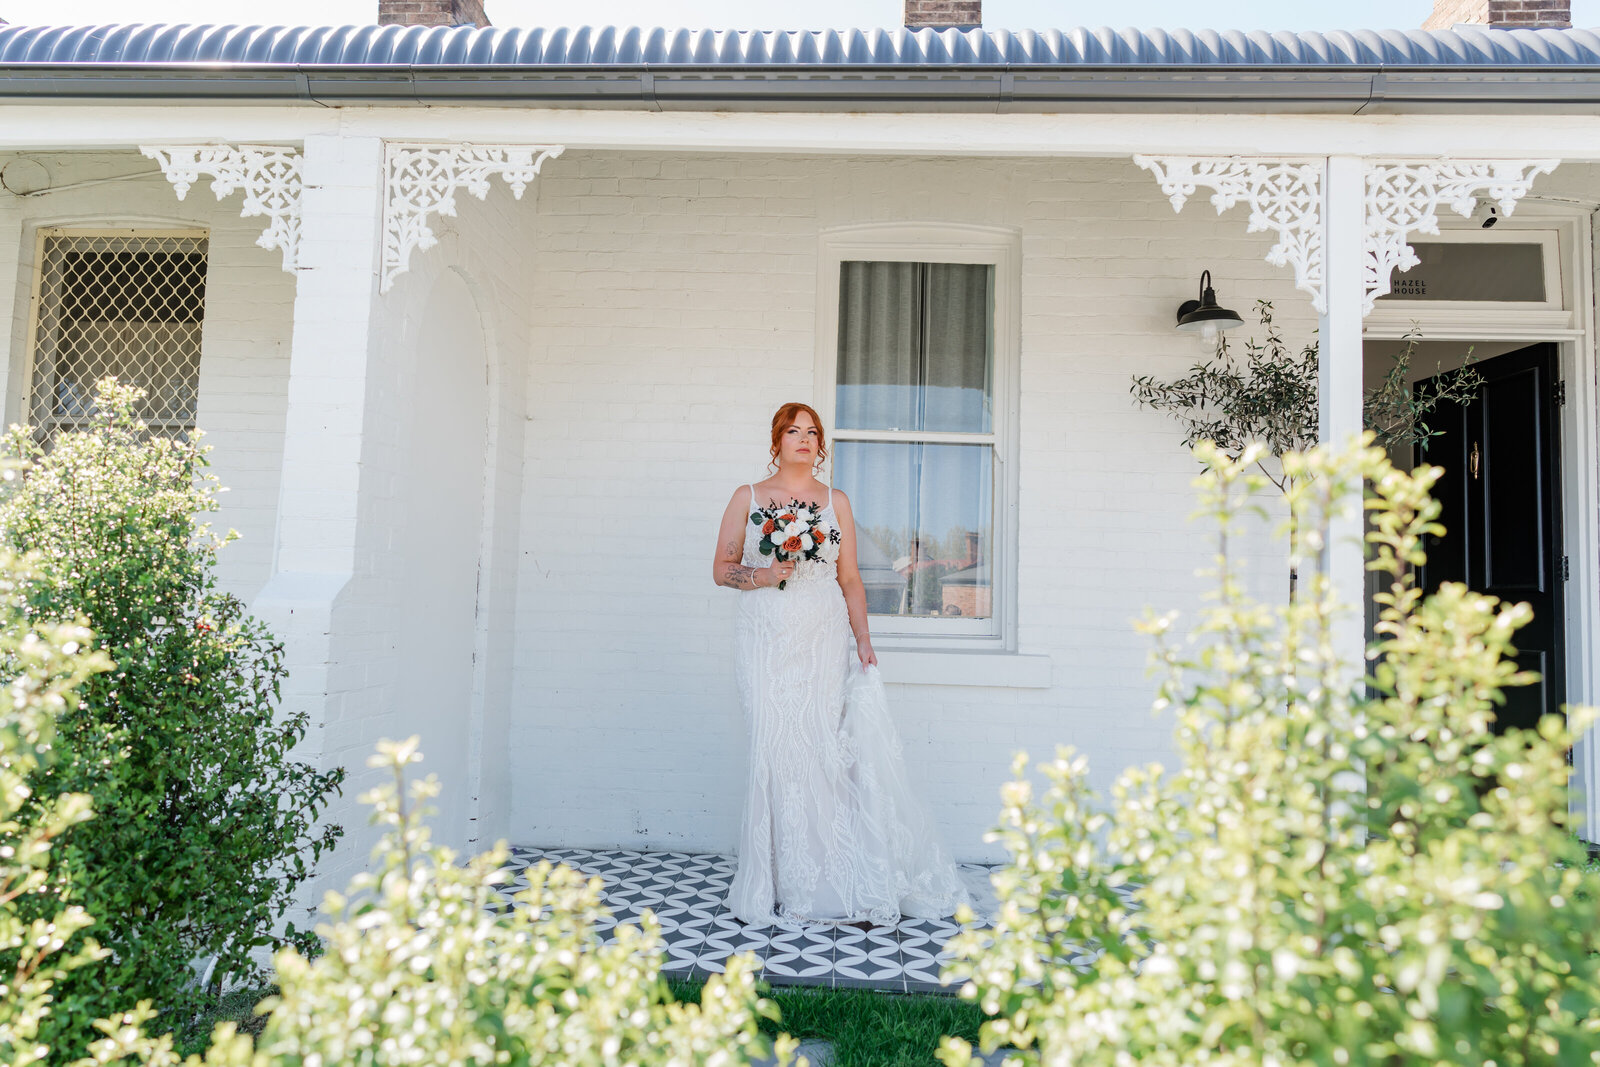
(784, 418)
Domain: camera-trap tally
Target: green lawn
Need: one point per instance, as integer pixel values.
(238, 1007)
(867, 1029)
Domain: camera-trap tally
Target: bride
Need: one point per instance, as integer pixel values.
(832, 832)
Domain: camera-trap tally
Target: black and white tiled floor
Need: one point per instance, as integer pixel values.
(685, 890)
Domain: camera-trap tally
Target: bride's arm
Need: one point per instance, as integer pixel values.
(725, 567)
(855, 593)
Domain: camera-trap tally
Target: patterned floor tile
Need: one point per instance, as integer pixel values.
(686, 893)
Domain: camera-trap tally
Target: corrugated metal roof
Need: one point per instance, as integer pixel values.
(613, 47)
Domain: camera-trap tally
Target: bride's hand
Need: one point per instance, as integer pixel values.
(868, 657)
(782, 570)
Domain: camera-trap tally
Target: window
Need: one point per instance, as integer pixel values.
(1502, 266)
(920, 421)
(119, 303)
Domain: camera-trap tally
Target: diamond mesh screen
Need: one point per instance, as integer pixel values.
(127, 305)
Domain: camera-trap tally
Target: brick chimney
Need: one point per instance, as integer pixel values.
(431, 13)
(944, 14)
(1500, 14)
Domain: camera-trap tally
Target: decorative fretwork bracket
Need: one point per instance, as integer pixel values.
(269, 175)
(1403, 197)
(1284, 195)
(420, 180)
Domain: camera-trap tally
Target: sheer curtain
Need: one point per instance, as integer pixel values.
(916, 358)
(915, 343)
(880, 345)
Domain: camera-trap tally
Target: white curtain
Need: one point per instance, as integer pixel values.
(915, 355)
(914, 346)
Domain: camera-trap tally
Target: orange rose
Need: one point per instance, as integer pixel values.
(769, 526)
(792, 545)
(787, 519)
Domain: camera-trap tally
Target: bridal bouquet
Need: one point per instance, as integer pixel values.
(795, 532)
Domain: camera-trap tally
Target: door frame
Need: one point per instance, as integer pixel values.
(1572, 328)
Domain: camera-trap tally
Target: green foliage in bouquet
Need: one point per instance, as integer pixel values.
(425, 965)
(1337, 874)
(205, 826)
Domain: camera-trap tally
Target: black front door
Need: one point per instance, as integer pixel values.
(1502, 511)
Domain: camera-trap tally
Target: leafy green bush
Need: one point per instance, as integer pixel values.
(205, 826)
(424, 966)
(1336, 875)
(43, 665)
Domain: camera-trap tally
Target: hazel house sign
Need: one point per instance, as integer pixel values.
(460, 299)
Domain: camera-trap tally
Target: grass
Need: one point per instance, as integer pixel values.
(238, 1006)
(866, 1029)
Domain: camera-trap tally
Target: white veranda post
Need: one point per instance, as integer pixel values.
(306, 599)
(1339, 379)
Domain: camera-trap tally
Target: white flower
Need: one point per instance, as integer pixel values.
(805, 515)
(806, 542)
(830, 551)
(794, 529)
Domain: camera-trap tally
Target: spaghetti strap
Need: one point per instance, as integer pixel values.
(753, 504)
(830, 496)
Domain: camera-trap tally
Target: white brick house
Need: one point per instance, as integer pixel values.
(435, 423)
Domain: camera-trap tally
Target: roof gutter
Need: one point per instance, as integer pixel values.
(990, 88)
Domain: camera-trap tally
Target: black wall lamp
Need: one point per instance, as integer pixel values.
(1203, 316)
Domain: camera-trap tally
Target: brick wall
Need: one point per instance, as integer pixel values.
(431, 12)
(939, 13)
(1505, 14)
(675, 301)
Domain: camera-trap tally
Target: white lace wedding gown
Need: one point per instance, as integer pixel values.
(832, 830)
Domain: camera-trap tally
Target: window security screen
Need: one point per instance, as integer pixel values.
(122, 304)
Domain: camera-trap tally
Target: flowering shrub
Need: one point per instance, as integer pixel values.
(1339, 874)
(43, 666)
(205, 826)
(423, 966)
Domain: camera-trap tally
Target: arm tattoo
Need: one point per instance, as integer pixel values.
(740, 576)
(737, 575)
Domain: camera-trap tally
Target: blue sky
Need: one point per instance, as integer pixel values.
(772, 14)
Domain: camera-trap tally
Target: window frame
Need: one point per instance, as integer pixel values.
(47, 429)
(1469, 319)
(1000, 249)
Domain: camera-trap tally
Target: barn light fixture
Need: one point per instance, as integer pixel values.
(1203, 316)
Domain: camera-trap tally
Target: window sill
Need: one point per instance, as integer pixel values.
(1003, 669)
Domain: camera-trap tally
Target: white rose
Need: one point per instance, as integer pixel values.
(806, 542)
(794, 529)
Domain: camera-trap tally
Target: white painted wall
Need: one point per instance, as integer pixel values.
(434, 542)
(426, 618)
(674, 298)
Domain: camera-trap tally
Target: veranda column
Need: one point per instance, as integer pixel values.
(1339, 376)
(315, 555)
